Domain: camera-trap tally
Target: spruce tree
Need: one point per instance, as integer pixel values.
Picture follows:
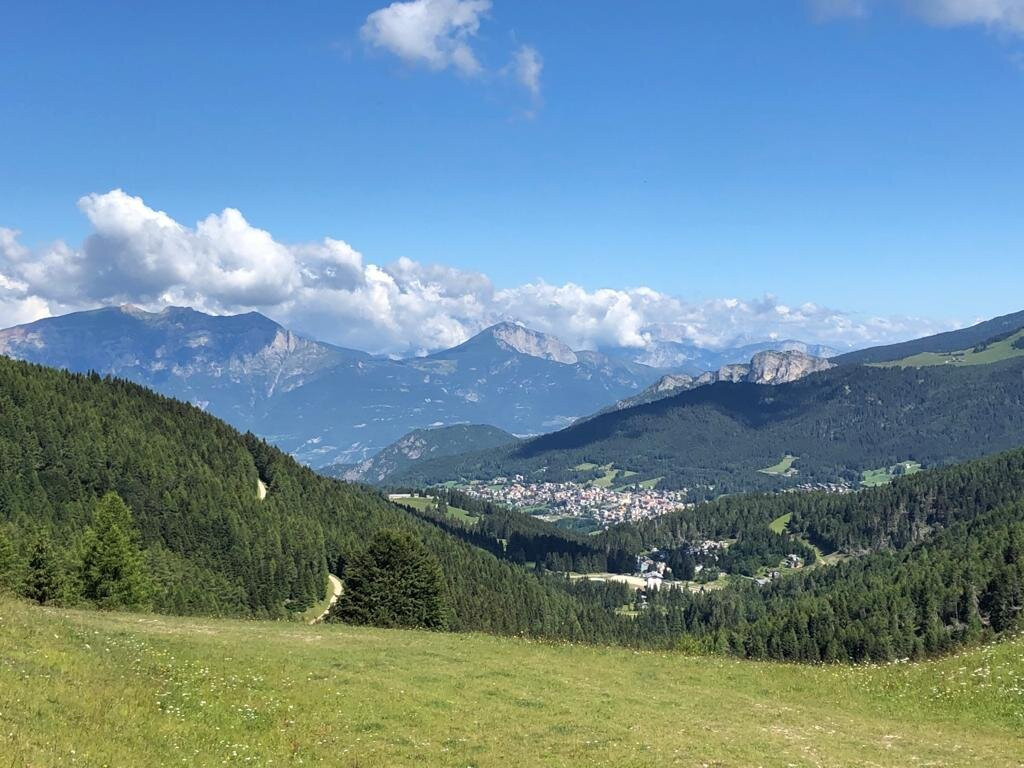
(114, 573)
(45, 581)
(11, 567)
(394, 582)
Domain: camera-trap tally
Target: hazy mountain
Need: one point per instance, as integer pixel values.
(326, 404)
(422, 445)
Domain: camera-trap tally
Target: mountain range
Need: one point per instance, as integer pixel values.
(829, 427)
(322, 403)
(332, 406)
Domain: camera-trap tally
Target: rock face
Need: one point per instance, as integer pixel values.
(771, 367)
(693, 360)
(325, 404)
(767, 367)
(517, 338)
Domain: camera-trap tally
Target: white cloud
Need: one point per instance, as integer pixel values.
(329, 291)
(526, 66)
(998, 14)
(1004, 15)
(432, 32)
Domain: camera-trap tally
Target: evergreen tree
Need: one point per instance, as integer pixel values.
(45, 581)
(11, 567)
(394, 582)
(114, 573)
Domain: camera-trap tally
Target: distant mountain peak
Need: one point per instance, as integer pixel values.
(526, 341)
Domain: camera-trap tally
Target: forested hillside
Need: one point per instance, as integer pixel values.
(715, 439)
(944, 564)
(210, 544)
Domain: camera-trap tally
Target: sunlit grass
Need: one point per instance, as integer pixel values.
(91, 689)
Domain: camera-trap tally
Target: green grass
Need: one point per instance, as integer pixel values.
(605, 480)
(872, 478)
(93, 689)
(610, 477)
(993, 353)
(778, 525)
(782, 467)
(420, 502)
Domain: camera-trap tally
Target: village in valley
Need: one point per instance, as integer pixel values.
(600, 505)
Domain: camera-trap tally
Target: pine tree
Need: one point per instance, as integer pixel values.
(11, 567)
(394, 582)
(45, 581)
(114, 574)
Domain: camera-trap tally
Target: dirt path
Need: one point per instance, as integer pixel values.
(335, 594)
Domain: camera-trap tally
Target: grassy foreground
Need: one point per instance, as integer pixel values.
(92, 689)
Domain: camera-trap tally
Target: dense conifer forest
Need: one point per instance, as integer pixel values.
(116, 497)
(208, 543)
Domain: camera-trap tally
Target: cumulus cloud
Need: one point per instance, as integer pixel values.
(1004, 15)
(432, 32)
(328, 290)
(526, 66)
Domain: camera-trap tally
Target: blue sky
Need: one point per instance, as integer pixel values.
(864, 157)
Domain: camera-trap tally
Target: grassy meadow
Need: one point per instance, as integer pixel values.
(421, 502)
(784, 466)
(105, 689)
(993, 353)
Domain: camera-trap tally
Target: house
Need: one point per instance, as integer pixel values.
(653, 581)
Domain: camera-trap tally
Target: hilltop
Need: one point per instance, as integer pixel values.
(118, 689)
(422, 445)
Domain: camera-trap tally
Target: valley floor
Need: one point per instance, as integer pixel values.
(90, 689)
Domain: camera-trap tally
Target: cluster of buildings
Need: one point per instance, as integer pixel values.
(840, 487)
(605, 506)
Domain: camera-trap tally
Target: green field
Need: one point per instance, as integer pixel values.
(421, 502)
(611, 476)
(872, 478)
(606, 480)
(782, 468)
(993, 353)
(94, 689)
(778, 525)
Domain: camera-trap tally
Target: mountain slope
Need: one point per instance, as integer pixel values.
(951, 341)
(325, 404)
(212, 544)
(714, 439)
(422, 445)
(1002, 347)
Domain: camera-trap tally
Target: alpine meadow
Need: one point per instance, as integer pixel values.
(471, 383)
